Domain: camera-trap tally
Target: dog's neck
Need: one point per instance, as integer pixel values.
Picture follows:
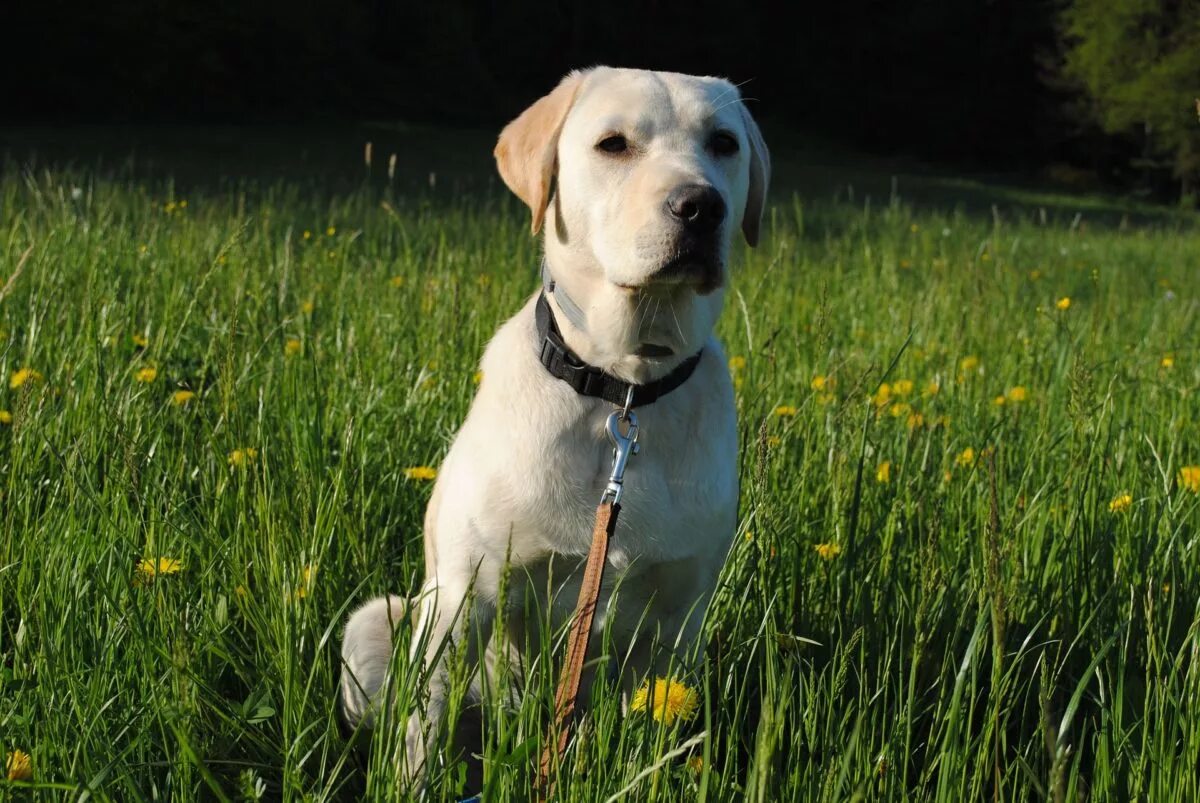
(617, 322)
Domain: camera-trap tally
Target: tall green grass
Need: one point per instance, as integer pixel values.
(978, 624)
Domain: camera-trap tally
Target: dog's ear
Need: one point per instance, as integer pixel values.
(760, 177)
(527, 153)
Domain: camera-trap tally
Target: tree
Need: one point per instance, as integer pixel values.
(1138, 64)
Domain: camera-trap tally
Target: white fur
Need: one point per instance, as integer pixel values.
(524, 475)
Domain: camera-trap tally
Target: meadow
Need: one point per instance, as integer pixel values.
(966, 565)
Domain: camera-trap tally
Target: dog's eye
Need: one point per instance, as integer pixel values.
(723, 143)
(613, 144)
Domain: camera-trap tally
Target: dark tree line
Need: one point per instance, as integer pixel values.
(970, 81)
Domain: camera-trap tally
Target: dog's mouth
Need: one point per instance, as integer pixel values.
(702, 272)
(654, 351)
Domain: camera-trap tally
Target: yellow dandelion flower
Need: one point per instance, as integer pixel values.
(420, 473)
(149, 569)
(1189, 477)
(915, 420)
(146, 375)
(139, 340)
(307, 235)
(242, 457)
(396, 281)
(914, 228)
(931, 388)
(786, 411)
(1168, 361)
(329, 232)
(1121, 503)
(22, 376)
(1063, 303)
(477, 377)
(819, 382)
(737, 363)
(947, 476)
(826, 398)
(968, 364)
(143, 248)
(965, 458)
(828, 551)
(666, 700)
(307, 307)
(306, 581)
(773, 441)
(902, 387)
(292, 346)
(882, 395)
(883, 472)
(5, 417)
(1034, 275)
(181, 397)
(18, 765)
(1017, 394)
(999, 401)
(899, 409)
(183, 204)
(696, 764)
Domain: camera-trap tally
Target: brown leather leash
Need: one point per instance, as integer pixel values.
(625, 445)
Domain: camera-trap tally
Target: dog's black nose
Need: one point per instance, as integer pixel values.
(698, 207)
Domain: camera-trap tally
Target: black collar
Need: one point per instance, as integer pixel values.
(588, 380)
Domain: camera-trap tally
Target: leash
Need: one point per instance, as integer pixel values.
(625, 445)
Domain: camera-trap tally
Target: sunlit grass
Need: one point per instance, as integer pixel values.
(965, 568)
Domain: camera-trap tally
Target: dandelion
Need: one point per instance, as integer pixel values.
(239, 458)
(968, 364)
(306, 581)
(146, 375)
(820, 382)
(999, 401)
(5, 417)
(331, 231)
(882, 395)
(1017, 394)
(18, 765)
(883, 472)
(149, 569)
(914, 228)
(666, 700)
(773, 441)
(396, 281)
(307, 307)
(420, 473)
(307, 235)
(828, 551)
(915, 420)
(1189, 477)
(181, 397)
(696, 764)
(139, 340)
(899, 409)
(902, 387)
(292, 346)
(932, 388)
(965, 458)
(736, 363)
(1168, 361)
(1034, 275)
(22, 376)
(786, 411)
(1063, 303)
(825, 398)
(1121, 503)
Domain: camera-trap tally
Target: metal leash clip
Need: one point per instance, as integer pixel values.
(624, 446)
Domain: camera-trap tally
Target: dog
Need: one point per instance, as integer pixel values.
(641, 180)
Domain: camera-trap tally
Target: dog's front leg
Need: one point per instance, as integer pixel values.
(450, 616)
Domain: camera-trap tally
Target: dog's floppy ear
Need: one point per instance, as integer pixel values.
(760, 177)
(527, 153)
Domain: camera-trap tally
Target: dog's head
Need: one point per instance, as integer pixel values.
(645, 177)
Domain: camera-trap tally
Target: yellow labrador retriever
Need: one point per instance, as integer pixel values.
(641, 180)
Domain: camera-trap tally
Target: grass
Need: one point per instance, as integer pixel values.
(979, 624)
